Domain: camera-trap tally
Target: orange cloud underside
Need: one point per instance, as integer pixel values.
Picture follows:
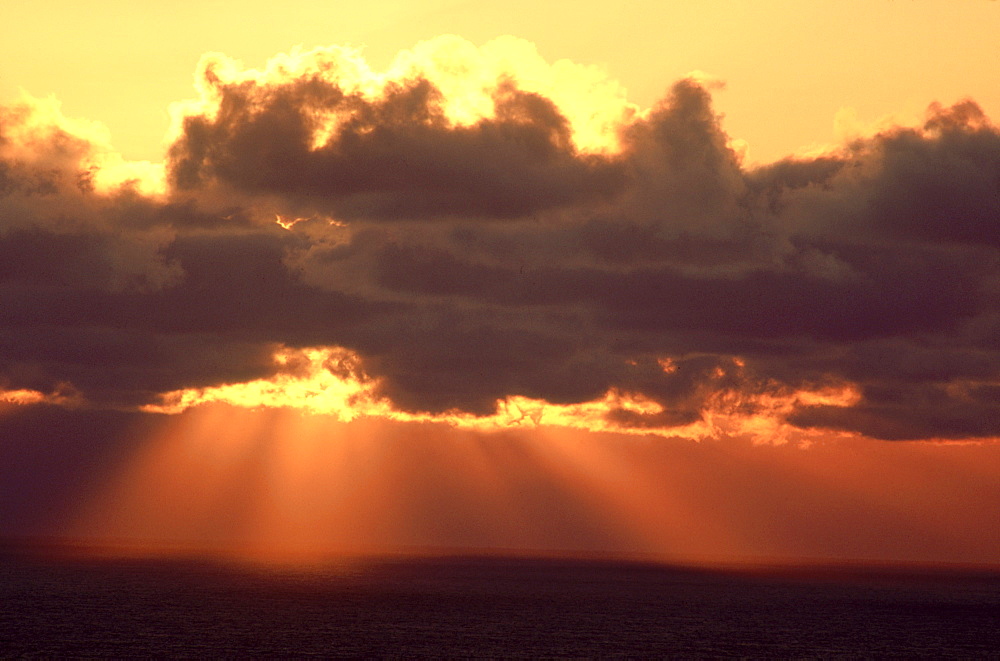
(326, 381)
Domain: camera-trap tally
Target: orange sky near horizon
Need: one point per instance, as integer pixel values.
(279, 486)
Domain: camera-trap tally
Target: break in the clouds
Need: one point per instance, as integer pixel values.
(477, 225)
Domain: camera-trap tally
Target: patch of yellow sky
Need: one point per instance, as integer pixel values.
(797, 74)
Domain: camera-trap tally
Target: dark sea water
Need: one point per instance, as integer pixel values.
(462, 607)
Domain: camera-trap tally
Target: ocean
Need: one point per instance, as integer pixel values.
(488, 607)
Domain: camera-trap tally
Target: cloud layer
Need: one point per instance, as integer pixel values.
(473, 246)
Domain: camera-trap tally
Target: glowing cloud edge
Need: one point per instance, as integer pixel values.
(328, 381)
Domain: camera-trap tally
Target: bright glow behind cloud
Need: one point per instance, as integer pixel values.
(33, 126)
(330, 382)
(467, 77)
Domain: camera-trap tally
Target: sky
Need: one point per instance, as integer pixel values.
(713, 282)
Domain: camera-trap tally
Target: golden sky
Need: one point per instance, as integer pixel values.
(702, 281)
(789, 67)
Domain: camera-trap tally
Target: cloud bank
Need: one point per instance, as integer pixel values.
(476, 225)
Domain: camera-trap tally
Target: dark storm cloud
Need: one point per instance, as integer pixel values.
(666, 270)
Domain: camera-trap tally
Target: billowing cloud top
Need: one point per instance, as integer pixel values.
(477, 227)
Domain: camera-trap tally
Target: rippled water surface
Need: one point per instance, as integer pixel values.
(486, 607)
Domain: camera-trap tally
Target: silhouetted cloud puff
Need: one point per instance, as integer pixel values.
(396, 156)
(467, 261)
